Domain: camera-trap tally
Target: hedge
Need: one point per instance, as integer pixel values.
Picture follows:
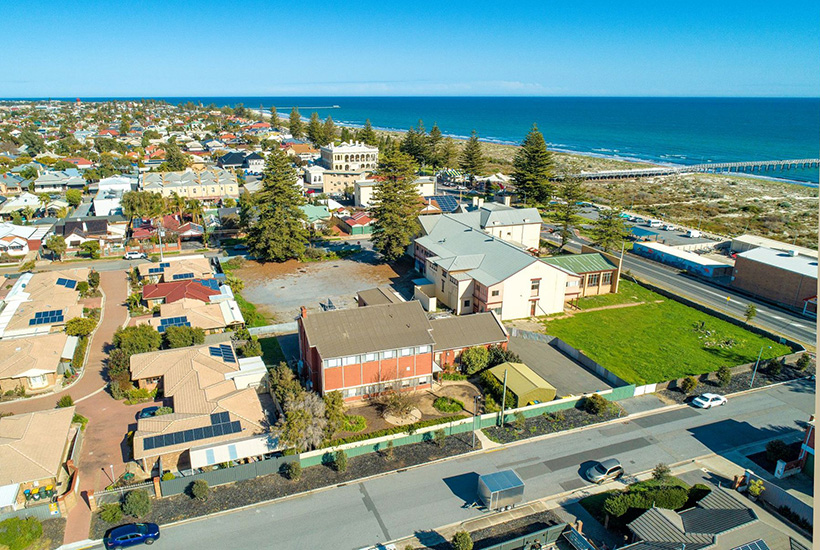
(410, 428)
(670, 498)
(79, 354)
(491, 385)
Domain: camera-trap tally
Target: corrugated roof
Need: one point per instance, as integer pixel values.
(467, 330)
(655, 525)
(520, 378)
(344, 332)
(803, 265)
(378, 296)
(581, 263)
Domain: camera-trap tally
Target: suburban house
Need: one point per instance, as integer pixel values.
(364, 190)
(599, 274)
(77, 231)
(19, 203)
(354, 156)
(34, 448)
(467, 270)
(11, 184)
(250, 162)
(40, 303)
(59, 181)
(33, 365)
(80, 162)
(358, 223)
(19, 240)
(204, 290)
(108, 199)
(303, 151)
(210, 185)
(368, 350)
(176, 269)
(218, 413)
(317, 215)
(785, 278)
(191, 312)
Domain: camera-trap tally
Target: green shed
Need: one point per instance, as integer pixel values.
(525, 385)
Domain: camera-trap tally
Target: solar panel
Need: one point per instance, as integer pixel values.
(447, 203)
(215, 352)
(209, 283)
(759, 544)
(155, 270)
(47, 317)
(165, 264)
(227, 353)
(70, 284)
(180, 276)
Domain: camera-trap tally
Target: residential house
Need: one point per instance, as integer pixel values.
(108, 231)
(19, 203)
(368, 350)
(218, 414)
(358, 223)
(33, 365)
(191, 312)
(303, 151)
(79, 162)
(40, 303)
(11, 184)
(317, 215)
(231, 161)
(599, 274)
(204, 290)
(110, 190)
(19, 240)
(176, 269)
(210, 185)
(54, 181)
(34, 448)
(467, 270)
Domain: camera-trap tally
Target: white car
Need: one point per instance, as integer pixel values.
(135, 256)
(709, 400)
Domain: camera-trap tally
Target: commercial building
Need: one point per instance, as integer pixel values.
(681, 259)
(368, 350)
(364, 190)
(785, 278)
(350, 157)
(215, 401)
(748, 242)
(210, 185)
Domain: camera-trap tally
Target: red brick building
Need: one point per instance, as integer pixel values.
(367, 350)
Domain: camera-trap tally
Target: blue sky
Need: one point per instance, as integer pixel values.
(416, 47)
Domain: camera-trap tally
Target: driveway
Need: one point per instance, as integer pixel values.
(567, 376)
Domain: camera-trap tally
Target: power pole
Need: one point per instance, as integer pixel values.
(503, 398)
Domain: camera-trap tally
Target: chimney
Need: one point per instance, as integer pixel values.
(480, 201)
(507, 200)
(303, 312)
(475, 201)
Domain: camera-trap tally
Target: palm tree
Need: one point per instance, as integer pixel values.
(176, 204)
(193, 208)
(28, 213)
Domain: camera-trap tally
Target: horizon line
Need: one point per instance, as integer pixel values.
(73, 97)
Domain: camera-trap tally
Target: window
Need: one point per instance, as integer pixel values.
(352, 360)
(607, 278)
(535, 286)
(497, 311)
(389, 354)
(40, 381)
(593, 279)
(423, 349)
(466, 303)
(495, 293)
(442, 285)
(370, 356)
(423, 380)
(334, 362)
(406, 351)
(453, 280)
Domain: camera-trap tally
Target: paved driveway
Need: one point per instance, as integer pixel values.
(568, 377)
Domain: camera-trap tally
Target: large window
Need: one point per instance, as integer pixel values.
(593, 279)
(389, 354)
(607, 279)
(333, 363)
(423, 349)
(406, 352)
(352, 360)
(370, 356)
(38, 381)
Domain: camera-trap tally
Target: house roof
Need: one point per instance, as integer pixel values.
(581, 263)
(22, 357)
(35, 293)
(315, 212)
(207, 316)
(32, 444)
(198, 266)
(378, 296)
(344, 332)
(465, 331)
(177, 290)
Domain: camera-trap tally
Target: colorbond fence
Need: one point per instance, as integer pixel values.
(226, 475)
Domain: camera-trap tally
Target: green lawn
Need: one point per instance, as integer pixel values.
(628, 293)
(656, 342)
(252, 317)
(271, 351)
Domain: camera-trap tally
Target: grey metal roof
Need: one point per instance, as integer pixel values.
(344, 332)
(718, 499)
(498, 481)
(713, 522)
(466, 331)
(804, 265)
(378, 296)
(657, 524)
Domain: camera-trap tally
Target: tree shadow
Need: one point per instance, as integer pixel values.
(431, 539)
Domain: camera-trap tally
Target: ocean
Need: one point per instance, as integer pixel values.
(661, 130)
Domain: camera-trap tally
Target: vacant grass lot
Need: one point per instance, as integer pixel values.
(656, 342)
(628, 293)
(271, 351)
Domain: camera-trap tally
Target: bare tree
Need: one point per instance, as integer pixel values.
(303, 424)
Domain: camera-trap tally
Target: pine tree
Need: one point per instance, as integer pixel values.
(434, 139)
(610, 230)
(415, 144)
(367, 135)
(315, 130)
(472, 158)
(295, 126)
(447, 153)
(571, 190)
(328, 131)
(274, 118)
(279, 231)
(396, 207)
(533, 169)
(346, 137)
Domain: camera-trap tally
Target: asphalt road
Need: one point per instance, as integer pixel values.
(421, 499)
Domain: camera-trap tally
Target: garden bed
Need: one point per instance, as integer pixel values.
(263, 488)
(762, 458)
(739, 382)
(495, 534)
(548, 423)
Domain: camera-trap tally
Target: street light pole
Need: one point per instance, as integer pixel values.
(754, 372)
(503, 398)
(475, 414)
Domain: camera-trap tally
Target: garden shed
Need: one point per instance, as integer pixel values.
(525, 385)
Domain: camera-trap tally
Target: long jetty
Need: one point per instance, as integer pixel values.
(739, 167)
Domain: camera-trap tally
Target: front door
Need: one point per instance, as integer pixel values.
(532, 308)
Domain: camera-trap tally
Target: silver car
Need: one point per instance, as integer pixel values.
(605, 470)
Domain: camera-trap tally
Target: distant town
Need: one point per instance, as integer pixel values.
(242, 328)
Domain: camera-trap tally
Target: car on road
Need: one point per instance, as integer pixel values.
(606, 470)
(135, 256)
(709, 400)
(131, 534)
(240, 246)
(147, 412)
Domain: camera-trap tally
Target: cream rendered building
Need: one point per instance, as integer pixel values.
(350, 157)
(212, 184)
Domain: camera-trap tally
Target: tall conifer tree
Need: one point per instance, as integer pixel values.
(533, 168)
(397, 205)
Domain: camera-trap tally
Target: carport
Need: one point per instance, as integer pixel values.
(527, 386)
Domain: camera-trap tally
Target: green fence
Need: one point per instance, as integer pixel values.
(222, 476)
(543, 537)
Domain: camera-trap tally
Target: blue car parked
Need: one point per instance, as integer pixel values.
(147, 412)
(131, 535)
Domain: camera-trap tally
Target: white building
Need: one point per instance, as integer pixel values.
(108, 199)
(350, 157)
(364, 189)
(313, 176)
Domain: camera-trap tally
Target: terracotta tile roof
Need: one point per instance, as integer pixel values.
(177, 290)
(21, 357)
(32, 445)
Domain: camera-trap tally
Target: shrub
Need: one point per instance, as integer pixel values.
(340, 461)
(724, 375)
(111, 513)
(80, 326)
(475, 359)
(354, 423)
(452, 376)
(595, 404)
(292, 470)
(462, 541)
(82, 288)
(803, 362)
(65, 401)
(168, 476)
(557, 416)
(671, 498)
(616, 506)
(493, 388)
(137, 395)
(163, 410)
(520, 421)
(490, 406)
(394, 430)
(756, 487)
(79, 354)
(777, 450)
(661, 472)
(388, 450)
(18, 533)
(774, 367)
(500, 355)
(448, 404)
(688, 384)
(81, 420)
(137, 504)
(200, 489)
(438, 437)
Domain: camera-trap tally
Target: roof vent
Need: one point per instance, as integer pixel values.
(792, 253)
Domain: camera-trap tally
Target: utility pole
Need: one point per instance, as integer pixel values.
(475, 414)
(754, 372)
(504, 398)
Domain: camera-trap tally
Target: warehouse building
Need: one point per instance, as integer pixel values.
(688, 261)
(786, 278)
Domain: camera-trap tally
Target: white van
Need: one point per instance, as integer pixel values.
(654, 223)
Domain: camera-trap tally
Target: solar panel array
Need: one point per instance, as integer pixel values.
(68, 283)
(173, 322)
(209, 283)
(160, 269)
(759, 544)
(220, 425)
(224, 351)
(47, 317)
(447, 203)
(180, 276)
